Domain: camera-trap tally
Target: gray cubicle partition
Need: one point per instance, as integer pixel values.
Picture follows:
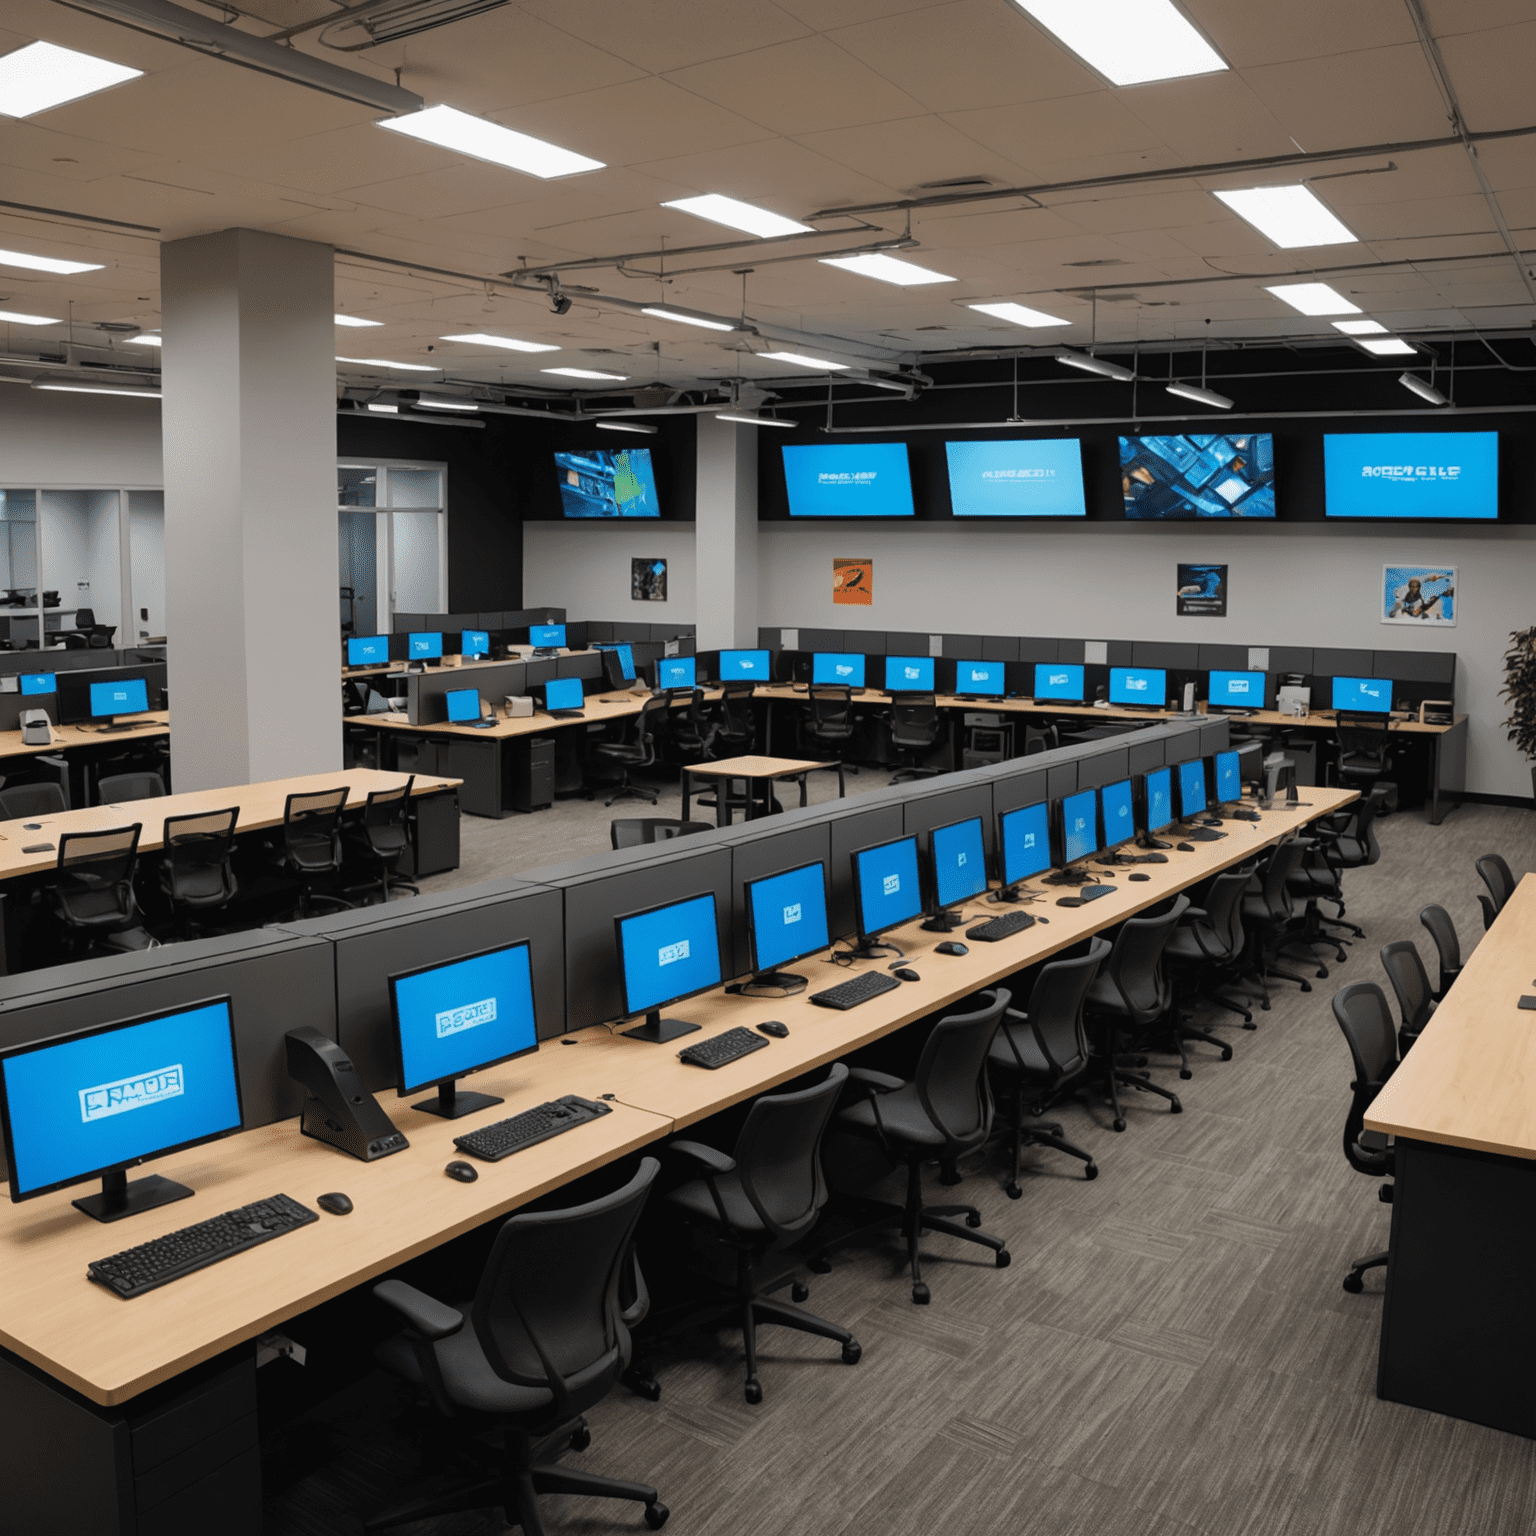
(424, 690)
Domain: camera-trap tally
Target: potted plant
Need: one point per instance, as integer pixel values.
(1520, 690)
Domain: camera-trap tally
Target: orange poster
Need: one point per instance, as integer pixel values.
(853, 582)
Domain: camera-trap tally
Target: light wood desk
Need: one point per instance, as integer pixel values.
(65, 737)
(752, 771)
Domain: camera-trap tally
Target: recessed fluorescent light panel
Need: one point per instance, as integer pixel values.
(32, 263)
(1386, 346)
(1019, 314)
(449, 128)
(699, 320)
(1360, 327)
(1314, 299)
(43, 75)
(1128, 41)
(15, 317)
(1290, 216)
(356, 320)
(586, 373)
(906, 274)
(144, 341)
(800, 360)
(511, 343)
(735, 214)
(384, 362)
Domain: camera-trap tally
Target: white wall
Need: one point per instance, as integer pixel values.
(583, 567)
(1289, 585)
(79, 441)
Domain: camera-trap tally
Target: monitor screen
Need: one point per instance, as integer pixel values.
(848, 480)
(1363, 695)
(885, 885)
(1411, 475)
(676, 672)
(1229, 778)
(1223, 475)
(367, 650)
(909, 674)
(1024, 841)
(1191, 788)
(1235, 690)
(547, 637)
(75, 1108)
(601, 482)
(787, 916)
(959, 859)
(982, 678)
(1079, 825)
(564, 693)
(668, 953)
(1138, 685)
(474, 642)
(461, 1015)
(1015, 478)
(1119, 819)
(744, 667)
(1062, 683)
(34, 683)
(1157, 787)
(843, 667)
(463, 705)
(626, 660)
(130, 697)
(424, 647)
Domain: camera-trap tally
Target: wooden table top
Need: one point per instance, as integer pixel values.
(598, 709)
(155, 723)
(1470, 1079)
(755, 767)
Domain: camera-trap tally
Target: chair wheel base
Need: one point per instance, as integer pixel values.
(973, 1219)
(1091, 1171)
(581, 1437)
(1175, 1108)
(852, 1352)
(920, 1294)
(1004, 1258)
(754, 1392)
(656, 1515)
(1013, 1191)
(820, 1265)
(799, 1291)
(1119, 1122)
(642, 1386)
(1226, 1053)
(1185, 1073)
(1354, 1284)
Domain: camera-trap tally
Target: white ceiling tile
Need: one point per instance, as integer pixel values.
(1059, 139)
(1374, 96)
(910, 152)
(1491, 73)
(661, 35)
(1247, 33)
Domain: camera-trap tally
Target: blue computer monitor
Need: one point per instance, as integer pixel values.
(463, 705)
(958, 858)
(1191, 777)
(786, 921)
(458, 1016)
(677, 672)
(886, 888)
(1363, 695)
(1117, 808)
(980, 679)
(367, 650)
(845, 668)
(35, 683)
(667, 953)
(626, 660)
(1024, 843)
(1079, 826)
(547, 636)
(1061, 683)
(1138, 685)
(744, 667)
(1227, 778)
(1235, 690)
(563, 693)
(1157, 800)
(474, 642)
(129, 697)
(909, 674)
(94, 1104)
(425, 646)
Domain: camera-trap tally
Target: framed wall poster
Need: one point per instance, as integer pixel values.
(853, 581)
(1419, 594)
(1200, 592)
(648, 581)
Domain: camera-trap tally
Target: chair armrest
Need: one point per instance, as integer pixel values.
(881, 1082)
(426, 1315)
(1374, 1141)
(707, 1157)
(1196, 912)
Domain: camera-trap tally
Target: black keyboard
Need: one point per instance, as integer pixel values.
(857, 989)
(502, 1138)
(719, 1049)
(1003, 927)
(153, 1264)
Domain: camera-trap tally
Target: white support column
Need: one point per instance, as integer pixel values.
(725, 563)
(251, 565)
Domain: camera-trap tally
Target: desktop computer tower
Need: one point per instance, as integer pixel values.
(533, 774)
(987, 740)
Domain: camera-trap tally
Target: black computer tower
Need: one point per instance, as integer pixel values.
(533, 773)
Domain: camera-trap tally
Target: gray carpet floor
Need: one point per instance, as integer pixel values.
(1170, 1352)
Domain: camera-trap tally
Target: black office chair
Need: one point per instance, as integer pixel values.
(1317, 879)
(1410, 981)
(829, 722)
(379, 841)
(44, 798)
(197, 871)
(1045, 1052)
(1204, 953)
(1361, 1011)
(768, 1194)
(548, 1336)
(1270, 916)
(121, 787)
(633, 831)
(635, 749)
(1347, 841)
(945, 1111)
(1131, 997)
(1365, 748)
(734, 720)
(1443, 931)
(691, 727)
(1040, 738)
(1500, 880)
(92, 888)
(311, 849)
(98, 637)
(915, 726)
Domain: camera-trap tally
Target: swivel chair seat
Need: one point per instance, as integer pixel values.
(1362, 1014)
(197, 866)
(635, 749)
(311, 847)
(915, 726)
(381, 839)
(92, 888)
(1204, 952)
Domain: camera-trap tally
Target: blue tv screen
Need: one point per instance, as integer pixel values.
(1221, 475)
(1411, 474)
(1017, 479)
(603, 482)
(848, 480)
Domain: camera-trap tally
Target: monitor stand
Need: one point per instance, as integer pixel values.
(1111, 860)
(1146, 840)
(1068, 877)
(873, 948)
(786, 982)
(1004, 893)
(119, 725)
(451, 1104)
(119, 1198)
(946, 920)
(658, 1030)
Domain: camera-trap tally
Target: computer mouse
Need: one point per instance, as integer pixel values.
(336, 1203)
(951, 947)
(906, 973)
(1138, 876)
(1069, 901)
(773, 1027)
(32, 826)
(465, 1173)
(1185, 847)
(1042, 919)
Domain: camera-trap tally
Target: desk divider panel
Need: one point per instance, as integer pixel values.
(1330, 662)
(424, 690)
(827, 640)
(1143, 756)
(911, 643)
(1103, 768)
(1225, 658)
(1416, 666)
(1009, 793)
(1174, 655)
(922, 813)
(1004, 648)
(585, 664)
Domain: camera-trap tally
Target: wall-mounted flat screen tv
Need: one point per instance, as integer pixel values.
(1017, 479)
(1199, 476)
(848, 480)
(602, 482)
(1411, 474)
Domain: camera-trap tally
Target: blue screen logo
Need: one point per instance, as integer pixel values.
(1367, 695)
(669, 953)
(743, 666)
(886, 880)
(1192, 787)
(1138, 685)
(848, 480)
(1229, 778)
(846, 669)
(959, 862)
(909, 674)
(1119, 821)
(979, 677)
(474, 642)
(424, 647)
(676, 672)
(1024, 837)
(788, 915)
(466, 1014)
(1411, 474)
(1017, 479)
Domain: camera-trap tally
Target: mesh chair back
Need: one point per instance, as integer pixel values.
(1056, 1008)
(831, 716)
(129, 786)
(85, 618)
(915, 721)
(1363, 744)
(311, 823)
(1443, 931)
(1498, 877)
(94, 883)
(1358, 847)
(44, 799)
(778, 1154)
(1040, 738)
(646, 722)
(633, 831)
(1410, 981)
(1362, 1013)
(1223, 921)
(736, 723)
(1135, 963)
(385, 814)
(1283, 862)
(692, 731)
(952, 1082)
(197, 854)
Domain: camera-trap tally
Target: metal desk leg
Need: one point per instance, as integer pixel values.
(688, 795)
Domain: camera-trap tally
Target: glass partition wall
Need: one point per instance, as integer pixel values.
(392, 524)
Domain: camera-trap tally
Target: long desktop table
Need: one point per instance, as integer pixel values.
(116, 1390)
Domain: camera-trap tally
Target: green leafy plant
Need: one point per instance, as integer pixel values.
(1520, 690)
